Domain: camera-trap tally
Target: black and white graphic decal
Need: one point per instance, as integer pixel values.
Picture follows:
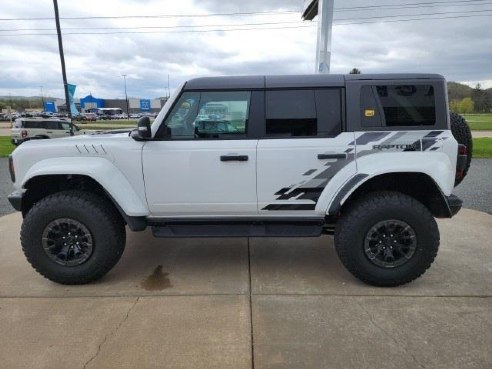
(366, 144)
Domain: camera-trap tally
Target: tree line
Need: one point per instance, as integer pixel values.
(465, 100)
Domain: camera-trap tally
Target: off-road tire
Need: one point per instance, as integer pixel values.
(462, 133)
(363, 214)
(97, 214)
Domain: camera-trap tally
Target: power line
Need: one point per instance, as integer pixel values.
(417, 15)
(151, 27)
(357, 21)
(155, 16)
(310, 25)
(414, 5)
(356, 8)
(414, 19)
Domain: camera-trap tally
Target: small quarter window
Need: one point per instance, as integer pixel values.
(398, 105)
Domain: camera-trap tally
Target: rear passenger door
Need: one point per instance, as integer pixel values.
(302, 147)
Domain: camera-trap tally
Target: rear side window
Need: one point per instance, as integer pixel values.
(32, 124)
(291, 113)
(303, 113)
(398, 105)
(51, 125)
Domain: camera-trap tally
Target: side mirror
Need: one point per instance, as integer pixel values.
(143, 131)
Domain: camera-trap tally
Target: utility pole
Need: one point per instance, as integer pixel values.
(168, 89)
(42, 98)
(62, 58)
(324, 10)
(126, 98)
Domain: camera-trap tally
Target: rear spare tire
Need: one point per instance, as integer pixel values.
(462, 133)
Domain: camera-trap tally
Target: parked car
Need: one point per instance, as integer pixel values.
(25, 129)
(86, 117)
(370, 159)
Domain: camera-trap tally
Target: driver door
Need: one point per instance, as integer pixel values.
(202, 163)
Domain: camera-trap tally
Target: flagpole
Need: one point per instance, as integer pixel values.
(62, 58)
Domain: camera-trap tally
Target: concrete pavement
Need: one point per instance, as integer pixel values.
(479, 134)
(229, 303)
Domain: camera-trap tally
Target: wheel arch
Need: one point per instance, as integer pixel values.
(38, 187)
(89, 174)
(418, 185)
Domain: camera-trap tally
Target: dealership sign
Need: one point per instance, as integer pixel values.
(145, 104)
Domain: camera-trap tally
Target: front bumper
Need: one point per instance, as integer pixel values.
(15, 199)
(454, 204)
(17, 141)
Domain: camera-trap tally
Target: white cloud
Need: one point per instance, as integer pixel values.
(457, 48)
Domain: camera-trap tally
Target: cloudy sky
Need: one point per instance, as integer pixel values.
(189, 38)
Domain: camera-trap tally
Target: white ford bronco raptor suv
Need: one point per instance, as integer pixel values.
(368, 158)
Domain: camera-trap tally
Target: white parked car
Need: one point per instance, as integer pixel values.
(25, 129)
(370, 159)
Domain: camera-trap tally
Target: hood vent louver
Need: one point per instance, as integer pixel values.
(91, 149)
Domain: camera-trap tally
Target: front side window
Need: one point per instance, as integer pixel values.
(398, 105)
(209, 115)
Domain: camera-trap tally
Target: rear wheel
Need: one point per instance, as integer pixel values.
(387, 239)
(462, 133)
(73, 237)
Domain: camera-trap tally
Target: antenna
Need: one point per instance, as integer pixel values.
(324, 10)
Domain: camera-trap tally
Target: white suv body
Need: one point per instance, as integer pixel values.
(262, 156)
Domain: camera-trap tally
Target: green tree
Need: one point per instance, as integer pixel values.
(481, 99)
(454, 106)
(355, 71)
(466, 106)
(463, 106)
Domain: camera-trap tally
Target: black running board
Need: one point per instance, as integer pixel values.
(238, 229)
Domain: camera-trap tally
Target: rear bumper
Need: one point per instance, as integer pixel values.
(15, 199)
(454, 204)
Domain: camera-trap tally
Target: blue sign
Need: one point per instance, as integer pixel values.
(50, 107)
(145, 105)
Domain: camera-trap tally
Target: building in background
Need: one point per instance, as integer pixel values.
(91, 104)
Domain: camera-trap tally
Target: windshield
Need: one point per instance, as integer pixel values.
(158, 120)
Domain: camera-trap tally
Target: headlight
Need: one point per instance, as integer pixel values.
(11, 168)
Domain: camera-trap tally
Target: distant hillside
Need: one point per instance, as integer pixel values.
(458, 91)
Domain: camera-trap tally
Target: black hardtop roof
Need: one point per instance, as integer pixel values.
(294, 81)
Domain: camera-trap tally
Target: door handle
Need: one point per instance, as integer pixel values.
(234, 158)
(332, 156)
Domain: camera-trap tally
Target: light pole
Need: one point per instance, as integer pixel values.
(324, 10)
(62, 58)
(126, 98)
(42, 98)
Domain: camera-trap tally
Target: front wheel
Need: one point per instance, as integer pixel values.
(387, 239)
(73, 237)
